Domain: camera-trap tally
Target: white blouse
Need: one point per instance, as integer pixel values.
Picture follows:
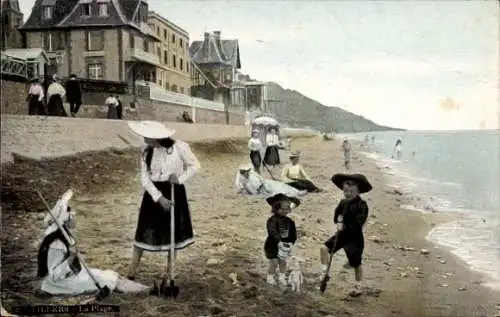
(180, 162)
(254, 144)
(36, 90)
(272, 139)
(56, 89)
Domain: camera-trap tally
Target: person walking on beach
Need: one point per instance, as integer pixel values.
(112, 104)
(55, 95)
(398, 149)
(165, 162)
(73, 94)
(35, 98)
(350, 217)
(294, 175)
(346, 147)
(272, 156)
(255, 147)
(281, 236)
(119, 107)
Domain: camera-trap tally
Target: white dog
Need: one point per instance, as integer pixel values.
(296, 279)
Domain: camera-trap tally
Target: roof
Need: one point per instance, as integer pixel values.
(10, 4)
(67, 14)
(26, 53)
(215, 51)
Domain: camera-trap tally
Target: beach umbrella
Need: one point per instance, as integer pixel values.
(265, 121)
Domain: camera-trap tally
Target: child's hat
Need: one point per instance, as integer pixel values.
(271, 200)
(245, 167)
(364, 185)
(294, 154)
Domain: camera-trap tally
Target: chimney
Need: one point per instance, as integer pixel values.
(206, 46)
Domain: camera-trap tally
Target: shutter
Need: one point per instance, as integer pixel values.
(87, 38)
(103, 36)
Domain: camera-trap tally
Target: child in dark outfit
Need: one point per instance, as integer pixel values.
(282, 235)
(350, 217)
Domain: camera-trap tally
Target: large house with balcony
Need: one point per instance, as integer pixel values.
(173, 70)
(105, 40)
(215, 62)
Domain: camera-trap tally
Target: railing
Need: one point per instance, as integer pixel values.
(160, 94)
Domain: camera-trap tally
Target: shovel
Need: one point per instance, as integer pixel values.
(103, 292)
(171, 290)
(326, 278)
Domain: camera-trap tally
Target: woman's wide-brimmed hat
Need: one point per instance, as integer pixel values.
(294, 154)
(246, 167)
(150, 129)
(255, 131)
(364, 185)
(271, 200)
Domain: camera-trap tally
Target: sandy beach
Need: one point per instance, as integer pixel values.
(230, 231)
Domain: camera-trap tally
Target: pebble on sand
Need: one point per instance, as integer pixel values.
(425, 252)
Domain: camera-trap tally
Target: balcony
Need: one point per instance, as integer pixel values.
(145, 29)
(135, 54)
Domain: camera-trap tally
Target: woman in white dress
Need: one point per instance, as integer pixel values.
(272, 156)
(398, 149)
(165, 162)
(55, 95)
(255, 147)
(250, 182)
(60, 268)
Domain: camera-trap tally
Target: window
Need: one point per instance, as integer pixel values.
(173, 38)
(103, 9)
(166, 85)
(158, 50)
(165, 35)
(48, 12)
(158, 30)
(86, 9)
(174, 61)
(180, 42)
(53, 41)
(187, 67)
(95, 41)
(165, 57)
(131, 39)
(181, 64)
(145, 45)
(95, 71)
(182, 90)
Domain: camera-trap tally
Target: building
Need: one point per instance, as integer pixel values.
(106, 40)
(173, 71)
(215, 62)
(11, 20)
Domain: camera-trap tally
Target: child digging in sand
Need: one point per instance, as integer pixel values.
(281, 236)
(350, 216)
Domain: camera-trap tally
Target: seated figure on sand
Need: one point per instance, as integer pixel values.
(60, 267)
(249, 182)
(294, 175)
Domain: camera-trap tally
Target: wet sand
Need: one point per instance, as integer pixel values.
(230, 231)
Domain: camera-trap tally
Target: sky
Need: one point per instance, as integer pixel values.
(420, 65)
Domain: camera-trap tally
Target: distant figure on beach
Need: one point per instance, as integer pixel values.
(73, 94)
(256, 148)
(249, 182)
(60, 268)
(373, 140)
(119, 108)
(281, 236)
(294, 175)
(112, 104)
(35, 98)
(367, 140)
(350, 217)
(398, 149)
(272, 156)
(186, 117)
(346, 147)
(55, 95)
(166, 165)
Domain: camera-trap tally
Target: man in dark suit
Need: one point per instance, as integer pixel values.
(74, 94)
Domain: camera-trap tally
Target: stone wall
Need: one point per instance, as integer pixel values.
(14, 102)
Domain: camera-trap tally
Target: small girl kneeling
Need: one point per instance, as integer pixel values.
(281, 236)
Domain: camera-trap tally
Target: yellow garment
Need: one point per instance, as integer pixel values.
(292, 172)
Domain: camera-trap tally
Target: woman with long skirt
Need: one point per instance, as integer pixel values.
(35, 98)
(165, 162)
(55, 95)
(294, 175)
(255, 147)
(272, 156)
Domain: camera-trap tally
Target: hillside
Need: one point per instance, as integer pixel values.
(298, 110)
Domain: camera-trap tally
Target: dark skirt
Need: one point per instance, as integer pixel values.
(112, 112)
(35, 107)
(271, 247)
(153, 227)
(272, 156)
(55, 106)
(256, 160)
(304, 184)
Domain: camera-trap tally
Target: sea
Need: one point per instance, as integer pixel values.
(449, 172)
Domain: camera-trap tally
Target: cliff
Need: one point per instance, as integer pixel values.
(297, 110)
